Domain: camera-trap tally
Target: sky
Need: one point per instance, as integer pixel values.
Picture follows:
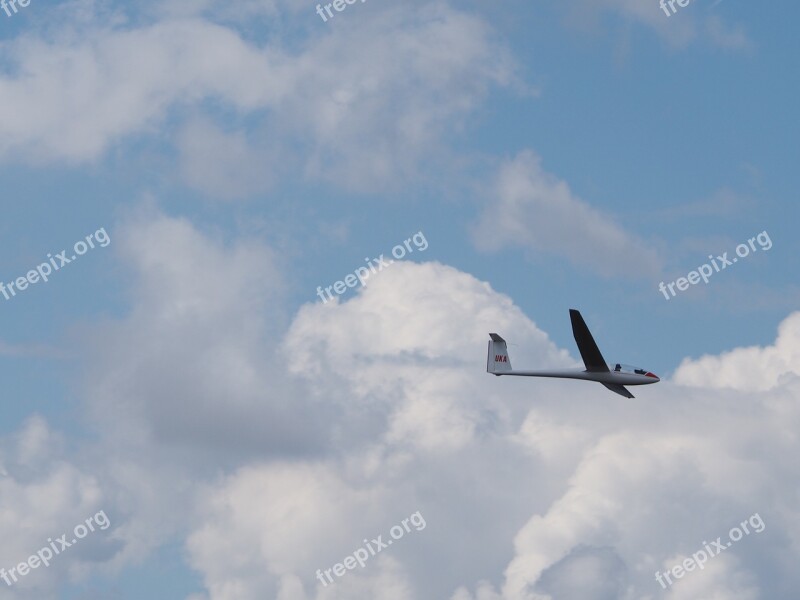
(251, 253)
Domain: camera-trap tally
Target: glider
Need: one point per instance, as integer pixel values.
(498, 362)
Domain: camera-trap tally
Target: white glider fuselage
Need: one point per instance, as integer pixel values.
(620, 378)
(499, 363)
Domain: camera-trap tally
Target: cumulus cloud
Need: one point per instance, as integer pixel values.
(197, 336)
(531, 489)
(416, 327)
(604, 521)
(535, 209)
(748, 369)
(267, 528)
(81, 91)
(270, 441)
(363, 104)
(611, 491)
(401, 85)
(45, 496)
(404, 358)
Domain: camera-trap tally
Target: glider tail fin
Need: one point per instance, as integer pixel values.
(497, 360)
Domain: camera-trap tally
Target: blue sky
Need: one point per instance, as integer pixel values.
(569, 156)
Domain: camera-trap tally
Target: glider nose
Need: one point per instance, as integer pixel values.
(654, 376)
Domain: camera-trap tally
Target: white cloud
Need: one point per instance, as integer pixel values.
(723, 577)
(530, 488)
(365, 103)
(534, 209)
(748, 369)
(45, 496)
(393, 90)
(398, 326)
(606, 515)
(273, 526)
(77, 94)
(197, 334)
(636, 486)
